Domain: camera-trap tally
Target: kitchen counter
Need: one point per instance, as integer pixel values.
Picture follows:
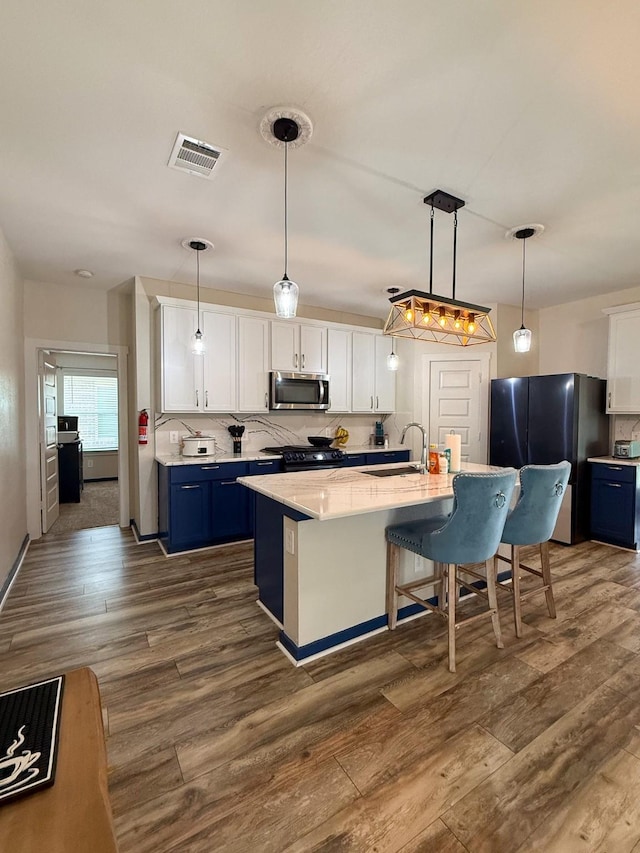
(320, 550)
(254, 455)
(613, 460)
(342, 492)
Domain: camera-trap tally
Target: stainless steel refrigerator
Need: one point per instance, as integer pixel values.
(539, 420)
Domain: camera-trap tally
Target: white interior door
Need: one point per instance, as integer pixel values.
(458, 401)
(48, 439)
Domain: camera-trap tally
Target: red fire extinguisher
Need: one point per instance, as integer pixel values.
(143, 420)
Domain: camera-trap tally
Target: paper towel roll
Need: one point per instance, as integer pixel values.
(453, 441)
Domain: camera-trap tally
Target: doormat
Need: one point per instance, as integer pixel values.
(29, 724)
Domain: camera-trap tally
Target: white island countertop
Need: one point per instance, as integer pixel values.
(341, 492)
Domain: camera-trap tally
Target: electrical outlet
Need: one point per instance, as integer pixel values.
(89, 463)
(291, 542)
(174, 437)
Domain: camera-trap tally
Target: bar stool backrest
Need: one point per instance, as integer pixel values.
(473, 530)
(534, 516)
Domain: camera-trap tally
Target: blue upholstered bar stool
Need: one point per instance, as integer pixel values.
(470, 535)
(531, 522)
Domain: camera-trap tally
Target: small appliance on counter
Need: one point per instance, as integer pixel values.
(236, 431)
(623, 449)
(378, 436)
(198, 445)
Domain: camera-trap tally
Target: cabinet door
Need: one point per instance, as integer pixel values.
(385, 379)
(219, 383)
(181, 370)
(362, 382)
(613, 511)
(623, 374)
(230, 502)
(313, 349)
(253, 361)
(190, 515)
(285, 338)
(339, 369)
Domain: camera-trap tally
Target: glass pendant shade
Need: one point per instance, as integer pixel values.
(522, 339)
(197, 343)
(393, 362)
(285, 296)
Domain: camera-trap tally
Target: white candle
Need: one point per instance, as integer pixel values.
(453, 442)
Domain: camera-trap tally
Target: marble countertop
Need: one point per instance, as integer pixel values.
(254, 455)
(341, 492)
(614, 460)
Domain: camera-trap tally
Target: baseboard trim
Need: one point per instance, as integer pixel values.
(13, 572)
(139, 537)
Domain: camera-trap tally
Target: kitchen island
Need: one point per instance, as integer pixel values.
(320, 549)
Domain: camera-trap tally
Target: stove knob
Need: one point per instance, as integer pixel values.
(336, 454)
(300, 456)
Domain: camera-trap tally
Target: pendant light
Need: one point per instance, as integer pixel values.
(522, 336)
(197, 245)
(428, 317)
(286, 127)
(393, 362)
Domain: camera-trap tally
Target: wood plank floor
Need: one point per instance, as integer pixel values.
(216, 743)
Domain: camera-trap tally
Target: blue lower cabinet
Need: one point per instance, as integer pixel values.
(388, 456)
(231, 511)
(353, 459)
(615, 504)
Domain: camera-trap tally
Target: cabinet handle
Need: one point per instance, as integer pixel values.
(206, 399)
(303, 361)
(189, 487)
(227, 482)
(614, 467)
(209, 467)
(372, 401)
(264, 463)
(614, 485)
(266, 401)
(377, 402)
(295, 360)
(609, 399)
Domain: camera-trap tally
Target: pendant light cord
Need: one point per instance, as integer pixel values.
(431, 253)
(455, 248)
(286, 243)
(523, 267)
(198, 286)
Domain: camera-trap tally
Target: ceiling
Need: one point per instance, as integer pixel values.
(528, 112)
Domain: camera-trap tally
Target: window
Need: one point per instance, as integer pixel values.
(94, 399)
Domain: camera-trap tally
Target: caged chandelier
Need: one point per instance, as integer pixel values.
(429, 317)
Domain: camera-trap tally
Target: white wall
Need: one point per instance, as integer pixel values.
(573, 336)
(13, 500)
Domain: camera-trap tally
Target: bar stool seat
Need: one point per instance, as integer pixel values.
(531, 522)
(467, 537)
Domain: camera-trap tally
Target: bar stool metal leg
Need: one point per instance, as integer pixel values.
(492, 571)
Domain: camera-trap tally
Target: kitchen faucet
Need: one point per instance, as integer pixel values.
(423, 458)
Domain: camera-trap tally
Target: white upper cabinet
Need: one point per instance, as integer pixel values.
(253, 364)
(298, 348)
(219, 362)
(373, 384)
(197, 383)
(385, 379)
(363, 380)
(623, 363)
(181, 374)
(339, 369)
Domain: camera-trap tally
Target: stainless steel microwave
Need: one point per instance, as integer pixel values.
(299, 390)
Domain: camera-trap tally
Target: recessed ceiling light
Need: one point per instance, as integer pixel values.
(84, 273)
(187, 243)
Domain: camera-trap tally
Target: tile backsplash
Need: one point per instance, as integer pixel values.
(274, 428)
(625, 425)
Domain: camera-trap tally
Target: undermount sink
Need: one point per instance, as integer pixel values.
(393, 472)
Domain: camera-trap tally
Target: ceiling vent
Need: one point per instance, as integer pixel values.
(195, 156)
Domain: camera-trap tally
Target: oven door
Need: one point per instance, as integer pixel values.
(298, 391)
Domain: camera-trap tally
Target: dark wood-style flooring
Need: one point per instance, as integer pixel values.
(217, 743)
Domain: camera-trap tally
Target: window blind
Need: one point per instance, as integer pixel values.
(94, 399)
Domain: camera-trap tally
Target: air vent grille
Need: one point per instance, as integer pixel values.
(195, 156)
